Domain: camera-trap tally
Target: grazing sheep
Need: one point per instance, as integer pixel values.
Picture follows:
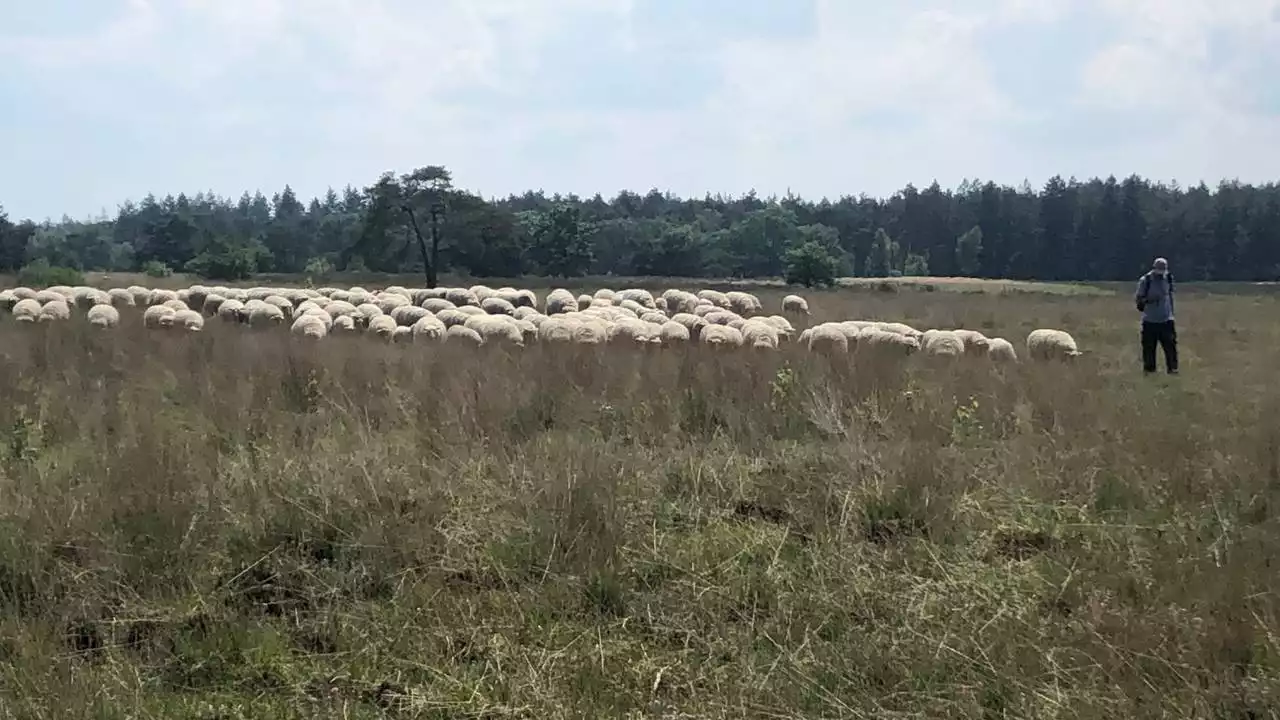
(122, 298)
(7, 300)
(461, 297)
(157, 296)
(632, 306)
(1045, 344)
(497, 306)
(643, 298)
(496, 329)
(23, 293)
(55, 310)
(585, 301)
(383, 326)
(604, 294)
(827, 338)
(633, 331)
(715, 297)
(759, 334)
(435, 305)
(175, 305)
(720, 335)
(364, 312)
(230, 310)
(188, 320)
(942, 343)
(388, 302)
(428, 327)
(158, 316)
(886, 343)
(1001, 350)
(722, 317)
(524, 312)
(407, 315)
(660, 304)
(212, 303)
(653, 317)
(795, 305)
(261, 314)
(745, 304)
(464, 334)
(481, 292)
(590, 332)
(344, 323)
(783, 325)
(673, 333)
(103, 316)
(310, 327)
(46, 296)
(560, 301)
(557, 329)
(316, 312)
(974, 342)
(402, 334)
(679, 301)
(26, 310)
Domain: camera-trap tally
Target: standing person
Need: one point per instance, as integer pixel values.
(1154, 299)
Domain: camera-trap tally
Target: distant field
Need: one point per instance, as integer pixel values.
(232, 524)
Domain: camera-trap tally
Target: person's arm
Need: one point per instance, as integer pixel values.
(1170, 282)
(1140, 295)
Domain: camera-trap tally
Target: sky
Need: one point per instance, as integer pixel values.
(107, 100)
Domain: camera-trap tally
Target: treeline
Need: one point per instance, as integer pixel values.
(420, 222)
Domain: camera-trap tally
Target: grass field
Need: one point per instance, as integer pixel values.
(234, 525)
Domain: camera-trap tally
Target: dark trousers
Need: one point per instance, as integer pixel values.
(1164, 334)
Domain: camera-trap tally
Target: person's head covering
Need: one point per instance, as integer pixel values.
(1160, 265)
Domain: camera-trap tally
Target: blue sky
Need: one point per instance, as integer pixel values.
(107, 100)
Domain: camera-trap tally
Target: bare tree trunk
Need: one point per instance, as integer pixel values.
(428, 261)
(435, 248)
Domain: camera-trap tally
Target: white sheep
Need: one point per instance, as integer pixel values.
(103, 316)
(679, 301)
(1001, 350)
(673, 333)
(633, 331)
(158, 316)
(230, 310)
(560, 301)
(7, 300)
(604, 294)
(720, 335)
(310, 327)
(557, 328)
(383, 326)
(344, 323)
(1045, 344)
(48, 295)
(452, 317)
(23, 293)
(795, 305)
(691, 322)
(715, 297)
(496, 329)
(26, 310)
(759, 334)
(435, 305)
(743, 303)
(827, 338)
(886, 343)
(585, 301)
(387, 302)
(428, 327)
(407, 315)
(188, 320)
(461, 297)
(497, 305)
(975, 343)
(261, 314)
(55, 310)
(643, 298)
(464, 334)
(402, 334)
(942, 343)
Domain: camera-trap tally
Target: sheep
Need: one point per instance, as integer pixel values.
(604, 294)
(188, 320)
(435, 305)
(560, 301)
(653, 317)
(428, 327)
(584, 301)
(316, 312)
(660, 304)
(644, 298)
(715, 297)
(402, 334)
(464, 334)
(1045, 344)
(527, 329)
(230, 310)
(364, 312)
(974, 342)
(795, 305)
(387, 302)
(703, 309)
(884, 342)
(452, 317)
(745, 304)
(344, 323)
(672, 333)
(7, 300)
(722, 317)
(1001, 350)
(261, 314)
(497, 306)
(158, 316)
(407, 315)
(720, 335)
(632, 306)
(55, 310)
(942, 343)
(103, 316)
(679, 301)
(212, 303)
(471, 310)
(46, 296)
(827, 338)
(693, 323)
(23, 293)
(783, 325)
(633, 331)
(397, 290)
(87, 297)
(159, 296)
(758, 334)
(524, 312)
(461, 297)
(590, 332)
(310, 327)
(383, 326)
(557, 329)
(26, 310)
(496, 328)
(482, 292)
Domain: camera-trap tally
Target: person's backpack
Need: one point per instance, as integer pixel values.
(1146, 287)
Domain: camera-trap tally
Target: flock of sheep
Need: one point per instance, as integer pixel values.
(481, 315)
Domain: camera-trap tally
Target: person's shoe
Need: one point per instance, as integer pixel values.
(1173, 371)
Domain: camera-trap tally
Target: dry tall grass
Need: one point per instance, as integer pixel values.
(238, 525)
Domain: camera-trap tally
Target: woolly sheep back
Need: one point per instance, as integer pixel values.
(1047, 344)
(103, 316)
(795, 305)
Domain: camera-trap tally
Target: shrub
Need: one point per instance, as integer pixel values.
(811, 264)
(41, 274)
(156, 269)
